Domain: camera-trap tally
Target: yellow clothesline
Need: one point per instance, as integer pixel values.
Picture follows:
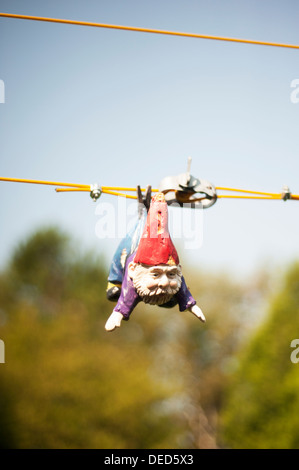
(115, 190)
(148, 30)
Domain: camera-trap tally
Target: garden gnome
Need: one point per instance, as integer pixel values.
(153, 272)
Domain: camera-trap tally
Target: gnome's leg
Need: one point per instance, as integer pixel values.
(116, 272)
(126, 247)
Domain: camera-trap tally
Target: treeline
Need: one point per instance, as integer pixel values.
(163, 380)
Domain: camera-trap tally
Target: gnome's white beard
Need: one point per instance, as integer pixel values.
(158, 295)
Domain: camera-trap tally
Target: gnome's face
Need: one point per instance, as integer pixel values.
(156, 285)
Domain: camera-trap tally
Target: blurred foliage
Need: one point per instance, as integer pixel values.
(66, 382)
(262, 403)
(157, 382)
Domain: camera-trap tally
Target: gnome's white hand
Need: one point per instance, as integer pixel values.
(113, 321)
(197, 312)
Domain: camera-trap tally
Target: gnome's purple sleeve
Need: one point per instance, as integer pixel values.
(128, 298)
(184, 297)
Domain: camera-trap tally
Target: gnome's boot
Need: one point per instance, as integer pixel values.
(113, 291)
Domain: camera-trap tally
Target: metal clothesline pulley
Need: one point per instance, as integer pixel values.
(185, 189)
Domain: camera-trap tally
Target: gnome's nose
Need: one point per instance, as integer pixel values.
(163, 281)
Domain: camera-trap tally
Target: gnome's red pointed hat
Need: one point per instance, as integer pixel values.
(155, 246)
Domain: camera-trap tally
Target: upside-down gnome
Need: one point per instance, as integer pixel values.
(152, 273)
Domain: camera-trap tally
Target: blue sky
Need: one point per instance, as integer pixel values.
(86, 105)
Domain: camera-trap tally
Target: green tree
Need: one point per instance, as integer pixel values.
(67, 383)
(157, 382)
(262, 403)
(208, 352)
